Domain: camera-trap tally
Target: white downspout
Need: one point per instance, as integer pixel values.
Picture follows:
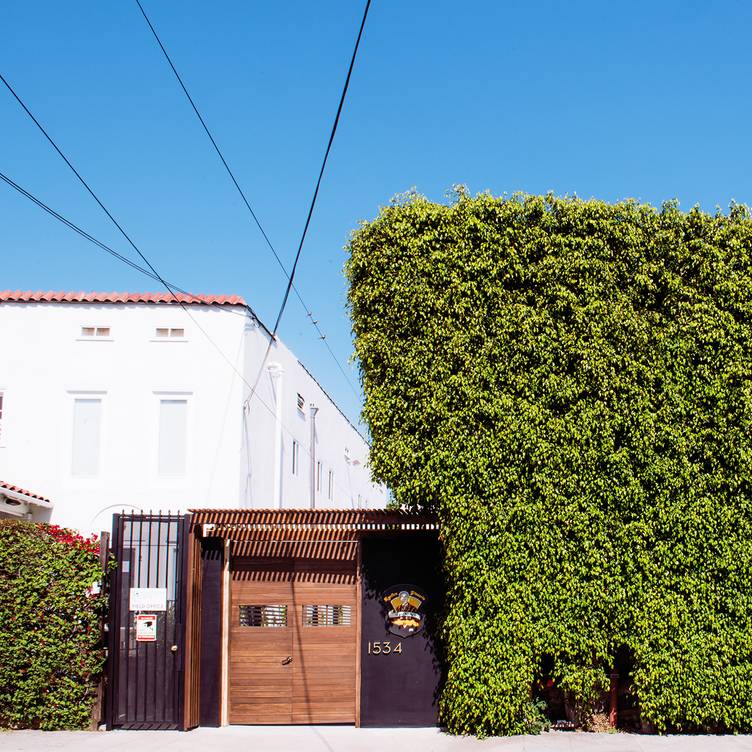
(276, 372)
(312, 411)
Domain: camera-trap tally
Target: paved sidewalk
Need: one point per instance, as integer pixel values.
(349, 739)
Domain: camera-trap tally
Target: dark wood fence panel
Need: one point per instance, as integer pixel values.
(212, 561)
(400, 674)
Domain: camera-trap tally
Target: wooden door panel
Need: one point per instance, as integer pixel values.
(323, 685)
(260, 678)
(318, 685)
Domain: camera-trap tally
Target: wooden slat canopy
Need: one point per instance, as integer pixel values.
(304, 533)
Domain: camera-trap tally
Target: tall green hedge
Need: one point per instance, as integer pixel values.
(568, 384)
(50, 634)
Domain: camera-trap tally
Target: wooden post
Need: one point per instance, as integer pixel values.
(224, 716)
(613, 701)
(358, 624)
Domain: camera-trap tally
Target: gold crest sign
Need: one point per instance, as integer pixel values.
(403, 605)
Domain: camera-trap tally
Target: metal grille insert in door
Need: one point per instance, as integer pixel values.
(147, 614)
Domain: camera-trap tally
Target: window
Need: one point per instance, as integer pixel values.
(327, 616)
(1, 416)
(95, 332)
(301, 402)
(318, 476)
(359, 501)
(295, 457)
(263, 616)
(87, 428)
(330, 490)
(173, 424)
(163, 332)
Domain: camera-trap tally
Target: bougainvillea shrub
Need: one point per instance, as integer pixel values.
(50, 634)
(568, 384)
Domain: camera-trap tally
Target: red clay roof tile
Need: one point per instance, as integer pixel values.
(17, 489)
(51, 296)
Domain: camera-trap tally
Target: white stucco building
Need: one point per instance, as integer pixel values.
(113, 401)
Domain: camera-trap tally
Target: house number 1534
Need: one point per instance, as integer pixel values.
(384, 648)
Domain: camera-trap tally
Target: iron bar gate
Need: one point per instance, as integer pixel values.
(146, 662)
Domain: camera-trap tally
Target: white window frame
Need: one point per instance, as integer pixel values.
(179, 481)
(330, 485)
(319, 469)
(67, 456)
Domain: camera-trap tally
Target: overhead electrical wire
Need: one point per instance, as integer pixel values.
(288, 275)
(313, 200)
(120, 228)
(86, 185)
(106, 248)
(88, 236)
(303, 235)
(149, 265)
(323, 167)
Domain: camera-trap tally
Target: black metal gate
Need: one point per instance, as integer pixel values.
(146, 624)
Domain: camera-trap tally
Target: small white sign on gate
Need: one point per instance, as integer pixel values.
(146, 628)
(148, 599)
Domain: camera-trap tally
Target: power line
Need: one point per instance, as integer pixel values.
(75, 227)
(151, 267)
(119, 256)
(316, 190)
(83, 233)
(315, 195)
(323, 166)
(86, 185)
(245, 200)
(211, 138)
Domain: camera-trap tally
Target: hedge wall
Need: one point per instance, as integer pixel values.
(568, 385)
(50, 635)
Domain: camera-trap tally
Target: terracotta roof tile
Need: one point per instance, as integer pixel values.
(16, 489)
(51, 296)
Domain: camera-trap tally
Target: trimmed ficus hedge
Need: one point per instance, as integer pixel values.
(50, 633)
(568, 384)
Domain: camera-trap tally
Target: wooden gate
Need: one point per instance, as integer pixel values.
(293, 637)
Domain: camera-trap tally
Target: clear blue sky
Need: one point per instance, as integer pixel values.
(644, 99)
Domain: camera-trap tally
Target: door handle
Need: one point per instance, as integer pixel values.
(287, 660)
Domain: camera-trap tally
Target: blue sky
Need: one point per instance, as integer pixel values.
(645, 99)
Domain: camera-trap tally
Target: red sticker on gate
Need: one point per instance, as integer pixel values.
(146, 628)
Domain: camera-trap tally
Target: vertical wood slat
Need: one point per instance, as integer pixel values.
(192, 640)
(210, 663)
(224, 708)
(358, 628)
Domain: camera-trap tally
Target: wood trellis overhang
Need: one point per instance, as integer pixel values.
(304, 533)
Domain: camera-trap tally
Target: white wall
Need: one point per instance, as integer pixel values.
(339, 447)
(45, 364)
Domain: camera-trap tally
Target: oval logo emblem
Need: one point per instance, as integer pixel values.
(403, 608)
